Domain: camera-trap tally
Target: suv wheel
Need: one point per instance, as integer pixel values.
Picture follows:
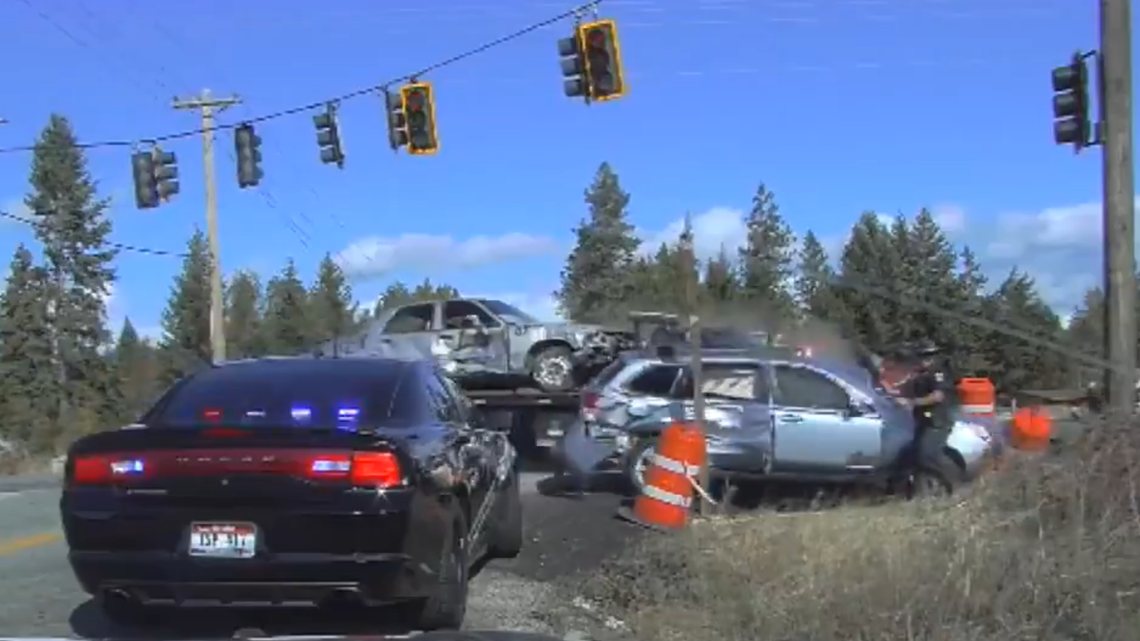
(446, 606)
(637, 463)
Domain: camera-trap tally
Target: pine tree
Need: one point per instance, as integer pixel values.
(138, 371)
(813, 280)
(332, 311)
(970, 300)
(29, 389)
(868, 264)
(931, 276)
(72, 228)
(244, 332)
(721, 284)
(185, 345)
(1018, 364)
(288, 329)
(767, 258)
(398, 294)
(596, 277)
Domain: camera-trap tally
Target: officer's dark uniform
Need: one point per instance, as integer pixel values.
(930, 421)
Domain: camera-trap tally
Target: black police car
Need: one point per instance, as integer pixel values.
(287, 482)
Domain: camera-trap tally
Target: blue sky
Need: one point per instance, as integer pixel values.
(838, 105)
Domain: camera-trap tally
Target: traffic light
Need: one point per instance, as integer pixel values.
(146, 191)
(397, 123)
(155, 177)
(591, 62)
(247, 144)
(418, 106)
(328, 137)
(1071, 124)
(166, 174)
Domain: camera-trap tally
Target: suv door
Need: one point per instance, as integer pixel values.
(815, 431)
(485, 345)
(738, 416)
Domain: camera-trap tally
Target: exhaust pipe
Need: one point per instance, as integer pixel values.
(118, 594)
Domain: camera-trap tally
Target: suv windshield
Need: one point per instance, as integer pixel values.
(296, 393)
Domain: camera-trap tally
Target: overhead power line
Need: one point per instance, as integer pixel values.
(120, 246)
(483, 48)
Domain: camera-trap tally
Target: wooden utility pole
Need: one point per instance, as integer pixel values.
(210, 106)
(1119, 202)
(696, 364)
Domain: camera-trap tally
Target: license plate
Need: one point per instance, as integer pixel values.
(223, 540)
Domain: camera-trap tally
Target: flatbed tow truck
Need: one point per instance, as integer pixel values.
(536, 419)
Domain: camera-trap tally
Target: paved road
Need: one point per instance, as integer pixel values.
(40, 597)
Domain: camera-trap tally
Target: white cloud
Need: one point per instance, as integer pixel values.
(1060, 247)
(951, 218)
(376, 256)
(713, 229)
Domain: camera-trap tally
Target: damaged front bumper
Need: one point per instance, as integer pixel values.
(601, 348)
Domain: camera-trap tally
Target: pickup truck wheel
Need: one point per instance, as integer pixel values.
(553, 369)
(446, 606)
(637, 463)
(506, 532)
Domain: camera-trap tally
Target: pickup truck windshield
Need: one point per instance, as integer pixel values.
(509, 313)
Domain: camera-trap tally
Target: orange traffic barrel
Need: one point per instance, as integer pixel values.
(977, 396)
(667, 496)
(1032, 428)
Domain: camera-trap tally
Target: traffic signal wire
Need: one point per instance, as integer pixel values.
(470, 53)
(119, 246)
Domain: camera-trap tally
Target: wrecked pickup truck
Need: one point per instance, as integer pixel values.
(486, 343)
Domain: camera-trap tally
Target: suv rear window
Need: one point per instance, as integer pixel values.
(303, 393)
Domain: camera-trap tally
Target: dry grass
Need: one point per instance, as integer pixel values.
(1048, 549)
(13, 465)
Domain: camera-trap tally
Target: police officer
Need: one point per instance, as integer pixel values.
(930, 394)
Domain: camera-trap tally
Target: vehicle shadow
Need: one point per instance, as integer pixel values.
(572, 486)
(88, 622)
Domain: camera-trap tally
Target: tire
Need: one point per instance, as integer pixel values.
(636, 462)
(553, 369)
(446, 606)
(506, 532)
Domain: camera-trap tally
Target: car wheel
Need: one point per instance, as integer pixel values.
(446, 606)
(637, 463)
(126, 612)
(507, 530)
(553, 369)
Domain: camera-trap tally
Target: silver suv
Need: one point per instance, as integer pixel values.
(636, 383)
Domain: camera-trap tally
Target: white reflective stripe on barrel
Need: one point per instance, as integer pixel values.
(666, 496)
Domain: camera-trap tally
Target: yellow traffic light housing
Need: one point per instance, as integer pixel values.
(418, 104)
(600, 53)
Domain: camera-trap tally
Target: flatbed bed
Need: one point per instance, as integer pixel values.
(536, 419)
(522, 398)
